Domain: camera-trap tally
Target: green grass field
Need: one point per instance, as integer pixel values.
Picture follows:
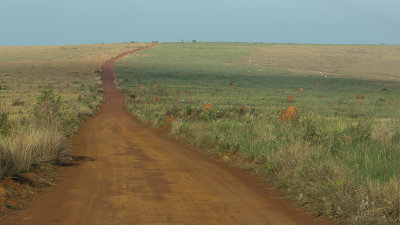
(339, 158)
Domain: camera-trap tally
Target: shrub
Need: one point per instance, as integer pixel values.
(310, 125)
(47, 108)
(188, 110)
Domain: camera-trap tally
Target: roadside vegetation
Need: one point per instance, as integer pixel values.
(324, 126)
(44, 94)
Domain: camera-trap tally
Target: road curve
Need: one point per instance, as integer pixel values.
(126, 173)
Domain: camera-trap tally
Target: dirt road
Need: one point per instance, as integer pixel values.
(126, 173)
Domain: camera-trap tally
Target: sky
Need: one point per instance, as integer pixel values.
(64, 22)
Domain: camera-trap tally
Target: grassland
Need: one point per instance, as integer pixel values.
(339, 158)
(44, 93)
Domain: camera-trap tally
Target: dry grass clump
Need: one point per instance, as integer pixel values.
(383, 131)
(4, 158)
(379, 204)
(34, 146)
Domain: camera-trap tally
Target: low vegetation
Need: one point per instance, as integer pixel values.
(44, 93)
(330, 139)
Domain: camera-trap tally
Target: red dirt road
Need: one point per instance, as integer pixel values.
(126, 173)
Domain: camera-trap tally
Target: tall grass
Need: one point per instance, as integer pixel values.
(30, 147)
(40, 138)
(341, 156)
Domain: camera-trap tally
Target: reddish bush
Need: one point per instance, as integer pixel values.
(178, 96)
(360, 97)
(390, 102)
(301, 89)
(207, 107)
(290, 114)
(234, 85)
(243, 107)
(185, 75)
(318, 85)
(156, 86)
(290, 98)
(158, 99)
(142, 87)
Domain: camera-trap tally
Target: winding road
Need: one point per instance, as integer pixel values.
(127, 173)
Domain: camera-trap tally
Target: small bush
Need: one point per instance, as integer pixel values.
(47, 108)
(361, 132)
(188, 110)
(310, 125)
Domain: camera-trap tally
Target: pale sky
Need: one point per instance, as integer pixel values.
(53, 22)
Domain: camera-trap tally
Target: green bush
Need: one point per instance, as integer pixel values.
(47, 109)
